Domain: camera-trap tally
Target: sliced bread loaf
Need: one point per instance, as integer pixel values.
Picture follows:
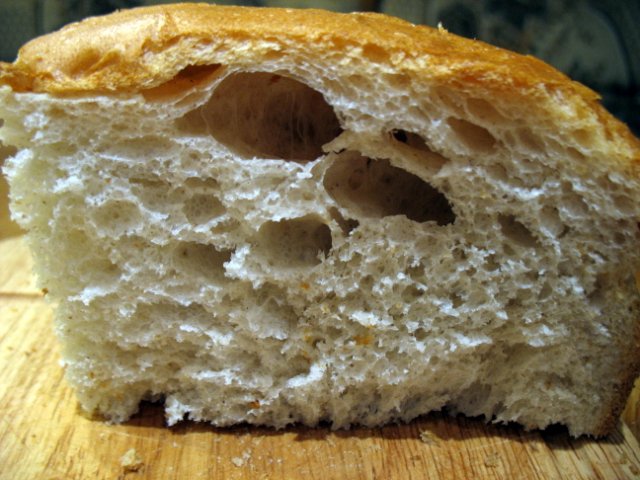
(277, 216)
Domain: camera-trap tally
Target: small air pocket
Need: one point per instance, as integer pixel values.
(516, 232)
(374, 188)
(201, 260)
(294, 242)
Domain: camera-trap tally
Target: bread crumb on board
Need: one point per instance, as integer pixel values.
(492, 461)
(242, 460)
(428, 437)
(131, 461)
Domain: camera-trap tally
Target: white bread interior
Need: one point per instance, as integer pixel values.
(282, 242)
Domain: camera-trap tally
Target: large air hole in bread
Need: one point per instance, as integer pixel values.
(374, 188)
(268, 116)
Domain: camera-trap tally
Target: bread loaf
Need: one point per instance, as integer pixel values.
(283, 216)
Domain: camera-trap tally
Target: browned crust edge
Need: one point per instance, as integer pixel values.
(609, 421)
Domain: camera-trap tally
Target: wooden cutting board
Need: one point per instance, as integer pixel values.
(43, 435)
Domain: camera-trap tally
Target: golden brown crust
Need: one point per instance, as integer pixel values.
(122, 51)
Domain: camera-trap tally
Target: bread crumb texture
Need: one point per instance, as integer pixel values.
(324, 217)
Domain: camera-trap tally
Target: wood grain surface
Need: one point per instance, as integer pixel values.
(43, 435)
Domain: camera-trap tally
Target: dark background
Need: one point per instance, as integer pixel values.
(594, 42)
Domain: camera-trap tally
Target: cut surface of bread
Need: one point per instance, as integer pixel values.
(284, 216)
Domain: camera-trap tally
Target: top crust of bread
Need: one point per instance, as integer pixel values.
(142, 48)
(135, 50)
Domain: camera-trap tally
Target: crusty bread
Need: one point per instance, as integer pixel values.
(276, 216)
